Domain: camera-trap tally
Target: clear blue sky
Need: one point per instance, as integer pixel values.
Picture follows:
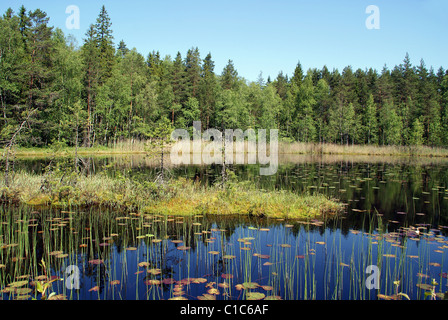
(270, 36)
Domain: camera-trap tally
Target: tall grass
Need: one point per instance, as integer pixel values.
(136, 146)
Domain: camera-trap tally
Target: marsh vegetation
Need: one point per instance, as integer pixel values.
(393, 217)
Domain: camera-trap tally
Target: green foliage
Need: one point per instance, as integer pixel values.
(98, 94)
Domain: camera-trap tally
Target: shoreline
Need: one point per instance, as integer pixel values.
(287, 148)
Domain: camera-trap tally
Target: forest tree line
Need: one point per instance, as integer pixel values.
(101, 92)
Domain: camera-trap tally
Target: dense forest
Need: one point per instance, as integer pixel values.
(101, 91)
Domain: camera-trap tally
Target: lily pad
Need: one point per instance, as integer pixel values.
(154, 271)
(213, 291)
(255, 295)
(273, 298)
(207, 296)
(250, 285)
(18, 284)
(23, 290)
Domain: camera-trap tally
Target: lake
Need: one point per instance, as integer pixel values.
(390, 243)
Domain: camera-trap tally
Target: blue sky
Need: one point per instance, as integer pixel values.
(270, 36)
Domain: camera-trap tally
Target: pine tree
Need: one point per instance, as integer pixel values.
(104, 39)
(91, 62)
(178, 80)
(208, 91)
(39, 74)
(229, 76)
(11, 69)
(122, 49)
(297, 77)
(193, 72)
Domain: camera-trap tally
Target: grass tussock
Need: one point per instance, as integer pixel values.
(176, 197)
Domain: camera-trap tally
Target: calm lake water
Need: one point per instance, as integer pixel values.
(393, 229)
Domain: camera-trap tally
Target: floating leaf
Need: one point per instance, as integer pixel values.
(255, 295)
(228, 256)
(434, 264)
(250, 285)
(213, 291)
(96, 261)
(114, 282)
(214, 252)
(273, 298)
(424, 286)
(168, 281)
(224, 285)
(95, 288)
(18, 284)
(267, 288)
(227, 276)
(55, 253)
(183, 248)
(143, 264)
(57, 297)
(154, 271)
(207, 296)
(262, 256)
(131, 248)
(152, 282)
(285, 245)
